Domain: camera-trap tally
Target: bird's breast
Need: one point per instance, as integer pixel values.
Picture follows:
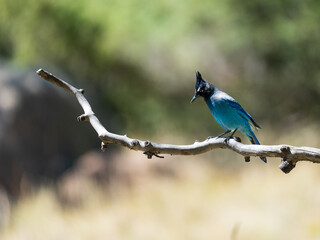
(227, 116)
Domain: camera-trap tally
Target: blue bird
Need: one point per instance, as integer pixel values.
(226, 110)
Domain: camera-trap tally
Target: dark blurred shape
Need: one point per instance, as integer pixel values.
(39, 135)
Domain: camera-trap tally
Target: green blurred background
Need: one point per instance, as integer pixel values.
(137, 60)
(141, 56)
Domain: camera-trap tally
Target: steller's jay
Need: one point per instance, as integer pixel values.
(226, 110)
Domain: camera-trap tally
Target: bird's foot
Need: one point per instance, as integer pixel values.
(226, 140)
(237, 139)
(208, 138)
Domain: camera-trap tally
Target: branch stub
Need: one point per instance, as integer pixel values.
(286, 166)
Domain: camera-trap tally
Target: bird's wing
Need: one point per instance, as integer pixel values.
(243, 112)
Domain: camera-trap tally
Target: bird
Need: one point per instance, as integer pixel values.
(226, 110)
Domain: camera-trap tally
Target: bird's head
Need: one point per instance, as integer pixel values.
(202, 88)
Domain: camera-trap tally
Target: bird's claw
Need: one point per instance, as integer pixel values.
(216, 137)
(237, 139)
(226, 140)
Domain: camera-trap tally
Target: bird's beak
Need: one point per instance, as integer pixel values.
(194, 98)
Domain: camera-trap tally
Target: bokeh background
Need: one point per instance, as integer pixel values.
(137, 60)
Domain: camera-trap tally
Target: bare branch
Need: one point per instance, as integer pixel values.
(290, 154)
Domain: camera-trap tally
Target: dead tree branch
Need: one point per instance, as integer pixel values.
(290, 154)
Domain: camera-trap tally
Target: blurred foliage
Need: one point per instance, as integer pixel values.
(140, 56)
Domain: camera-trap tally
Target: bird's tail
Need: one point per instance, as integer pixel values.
(253, 139)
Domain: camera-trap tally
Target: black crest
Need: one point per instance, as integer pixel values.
(202, 88)
(199, 80)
